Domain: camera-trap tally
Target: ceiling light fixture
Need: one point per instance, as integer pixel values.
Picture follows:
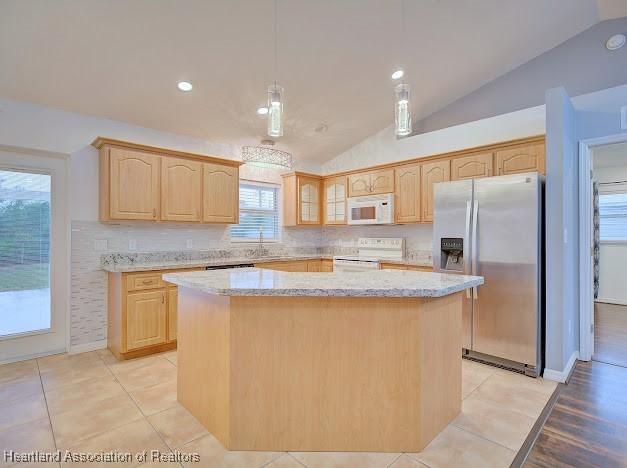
(398, 74)
(265, 155)
(616, 42)
(275, 92)
(184, 86)
(262, 111)
(402, 106)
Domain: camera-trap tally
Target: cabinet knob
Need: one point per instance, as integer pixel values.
(163, 298)
(154, 212)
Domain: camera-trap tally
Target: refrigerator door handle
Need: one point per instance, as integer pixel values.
(474, 250)
(467, 264)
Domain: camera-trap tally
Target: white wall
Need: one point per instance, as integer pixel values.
(613, 255)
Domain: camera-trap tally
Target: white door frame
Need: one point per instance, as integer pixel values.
(25, 347)
(586, 288)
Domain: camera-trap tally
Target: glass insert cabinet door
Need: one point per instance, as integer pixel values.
(24, 252)
(34, 254)
(309, 202)
(335, 198)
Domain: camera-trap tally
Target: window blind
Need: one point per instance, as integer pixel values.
(258, 211)
(613, 216)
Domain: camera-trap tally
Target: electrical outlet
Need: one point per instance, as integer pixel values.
(189, 244)
(132, 244)
(623, 117)
(565, 236)
(100, 245)
(570, 327)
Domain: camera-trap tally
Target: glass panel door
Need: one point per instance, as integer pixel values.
(34, 254)
(24, 252)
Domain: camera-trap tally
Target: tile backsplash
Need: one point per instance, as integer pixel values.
(91, 240)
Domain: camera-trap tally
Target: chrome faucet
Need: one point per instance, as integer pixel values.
(260, 251)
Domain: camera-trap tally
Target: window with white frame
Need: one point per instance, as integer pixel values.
(613, 212)
(258, 211)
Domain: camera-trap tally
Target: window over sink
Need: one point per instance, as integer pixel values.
(258, 211)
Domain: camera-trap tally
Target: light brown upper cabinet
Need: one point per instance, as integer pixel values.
(432, 173)
(335, 200)
(220, 194)
(144, 183)
(527, 158)
(472, 167)
(132, 191)
(371, 183)
(181, 193)
(407, 194)
(302, 199)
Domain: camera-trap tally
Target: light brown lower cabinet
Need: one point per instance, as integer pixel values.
(142, 314)
(398, 266)
(317, 265)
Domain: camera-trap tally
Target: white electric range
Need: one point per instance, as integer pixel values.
(371, 251)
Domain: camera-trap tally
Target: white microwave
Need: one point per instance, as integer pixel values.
(371, 209)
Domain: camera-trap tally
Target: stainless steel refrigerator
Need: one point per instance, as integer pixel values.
(493, 227)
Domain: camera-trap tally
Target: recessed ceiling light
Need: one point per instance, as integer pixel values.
(398, 74)
(184, 85)
(616, 42)
(262, 111)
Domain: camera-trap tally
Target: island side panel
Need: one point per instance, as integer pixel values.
(203, 359)
(326, 373)
(441, 364)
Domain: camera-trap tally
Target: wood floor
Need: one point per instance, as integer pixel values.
(588, 424)
(610, 334)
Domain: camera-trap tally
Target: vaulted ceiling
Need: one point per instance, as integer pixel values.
(122, 59)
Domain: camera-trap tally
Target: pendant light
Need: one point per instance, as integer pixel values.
(265, 155)
(275, 92)
(402, 106)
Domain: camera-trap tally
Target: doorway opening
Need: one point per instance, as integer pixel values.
(609, 176)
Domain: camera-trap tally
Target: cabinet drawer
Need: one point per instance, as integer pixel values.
(143, 281)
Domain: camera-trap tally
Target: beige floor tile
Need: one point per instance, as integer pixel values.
(160, 464)
(345, 459)
(157, 398)
(513, 394)
(18, 389)
(18, 370)
(92, 418)
(69, 397)
(522, 381)
(177, 426)
(406, 462)
(284, 461)
(473, 375)
(151, 374)
(34, 435)
(132, 438)
(213, 454)
(171, 356)
(22, 411)
(455, 447)
(498, 424)
(118, 366)
(74, 376)
(64, 362)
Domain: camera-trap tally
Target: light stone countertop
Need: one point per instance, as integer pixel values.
(201, 263)
(377, 283)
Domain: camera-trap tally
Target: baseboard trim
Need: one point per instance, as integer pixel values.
(610, 301)
(26, 357)
(562, 375)
(85, 347)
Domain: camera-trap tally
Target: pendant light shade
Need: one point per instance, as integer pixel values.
(402, 112)
(265, 155)
(275, 111)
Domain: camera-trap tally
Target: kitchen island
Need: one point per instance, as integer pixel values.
(271, 360)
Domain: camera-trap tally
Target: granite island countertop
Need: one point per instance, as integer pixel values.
(151, 263)
(377, 283)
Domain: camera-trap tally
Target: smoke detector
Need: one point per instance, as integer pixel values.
(616, 42)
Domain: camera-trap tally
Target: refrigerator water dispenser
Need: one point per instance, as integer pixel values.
(452, 256)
